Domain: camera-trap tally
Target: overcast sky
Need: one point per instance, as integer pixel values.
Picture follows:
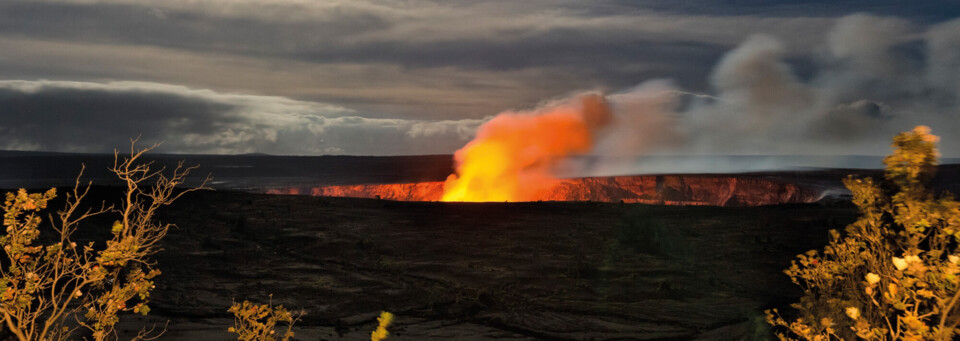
(311, 77)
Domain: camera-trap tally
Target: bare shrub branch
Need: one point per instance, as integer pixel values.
(42, 285)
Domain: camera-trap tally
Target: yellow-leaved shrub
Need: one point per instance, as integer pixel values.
(45, 282)
(259, 322)
(895, 273)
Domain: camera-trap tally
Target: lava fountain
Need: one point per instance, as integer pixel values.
(513, 154)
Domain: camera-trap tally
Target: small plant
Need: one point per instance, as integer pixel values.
(895, 275)
(43, 284)
(381, 333)
(259, 322)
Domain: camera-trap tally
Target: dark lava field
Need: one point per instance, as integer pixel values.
(461, 271)
(464, 271)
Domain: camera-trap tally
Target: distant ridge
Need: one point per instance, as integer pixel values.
(258, 172)
(231, 172)
(4, 152)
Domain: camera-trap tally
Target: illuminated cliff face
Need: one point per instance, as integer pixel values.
(666, 190)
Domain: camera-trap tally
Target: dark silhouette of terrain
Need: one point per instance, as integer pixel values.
(464, 271)
(683, 190)
(479, 271)
(231, 172)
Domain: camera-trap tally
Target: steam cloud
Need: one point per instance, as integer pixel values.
(868, 88)
(876, 76)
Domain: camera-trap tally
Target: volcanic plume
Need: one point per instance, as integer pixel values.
(512, 156)
(757, 115)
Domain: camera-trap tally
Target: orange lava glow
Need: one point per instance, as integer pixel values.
(512, 155)
(712, 190)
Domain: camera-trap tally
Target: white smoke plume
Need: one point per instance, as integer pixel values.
(874, 77)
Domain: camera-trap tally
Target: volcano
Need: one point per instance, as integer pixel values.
(682, 190)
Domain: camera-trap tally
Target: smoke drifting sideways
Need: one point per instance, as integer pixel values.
(874, 77)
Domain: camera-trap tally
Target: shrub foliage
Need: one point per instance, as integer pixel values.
(895, 273)
(259, 322)
(384, 321)
(42, 285)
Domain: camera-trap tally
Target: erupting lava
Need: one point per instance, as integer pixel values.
(512, 156)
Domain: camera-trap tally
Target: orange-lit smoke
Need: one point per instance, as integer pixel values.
(512, 155)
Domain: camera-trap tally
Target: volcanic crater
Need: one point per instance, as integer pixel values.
(709, 190)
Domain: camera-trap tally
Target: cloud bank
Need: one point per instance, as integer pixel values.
(415, 59)
(98, 117)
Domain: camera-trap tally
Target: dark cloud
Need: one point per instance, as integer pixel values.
(928, 10)
(337, 52)
(128, 23)
(64, 109)
(332, 38)
(98, 117)
(608, 63)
